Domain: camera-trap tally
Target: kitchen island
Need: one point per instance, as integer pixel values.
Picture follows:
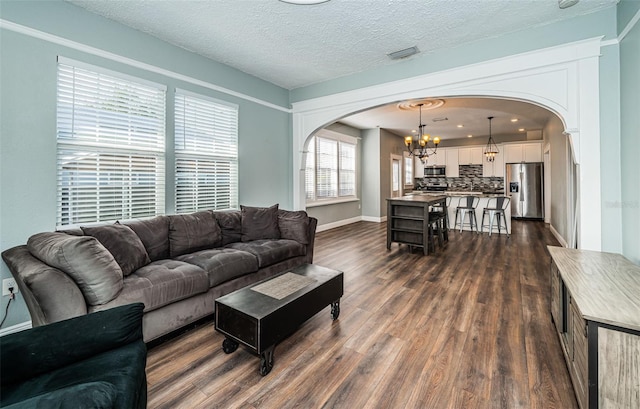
(408, 219)
(485, 199)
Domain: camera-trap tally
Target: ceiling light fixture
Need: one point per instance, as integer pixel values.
(419, 147)
(460, 126)
(521, 130)
(469, 136)
(514, 120)
(491, 150)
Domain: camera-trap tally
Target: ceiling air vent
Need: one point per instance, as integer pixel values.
(563, 4)
(407, 52)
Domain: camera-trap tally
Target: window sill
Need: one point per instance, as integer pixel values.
(329, 202)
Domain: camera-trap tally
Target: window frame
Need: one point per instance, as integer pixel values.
(312, 153)
(104, 146)
(207, 158)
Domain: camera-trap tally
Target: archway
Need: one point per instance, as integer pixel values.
(563, 79)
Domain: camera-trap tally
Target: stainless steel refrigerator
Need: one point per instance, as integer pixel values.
(524, 185)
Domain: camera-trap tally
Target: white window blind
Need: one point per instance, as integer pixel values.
(206, 146)
(330, 170)
(110, 147)
(408, 169)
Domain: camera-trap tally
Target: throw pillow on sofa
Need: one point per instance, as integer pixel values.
(84, 259)
(123, 243)
(294, 225)
(259, 223)
(193, 232)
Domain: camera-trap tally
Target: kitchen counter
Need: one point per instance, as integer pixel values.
(455, 197)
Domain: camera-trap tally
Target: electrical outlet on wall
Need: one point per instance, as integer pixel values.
(9, 282)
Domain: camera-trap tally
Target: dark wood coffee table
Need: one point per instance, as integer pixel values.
(251, 317)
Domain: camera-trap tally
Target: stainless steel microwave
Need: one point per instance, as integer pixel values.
(434, 171)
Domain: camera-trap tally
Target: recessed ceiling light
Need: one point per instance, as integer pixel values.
(413, 131)
(460, 126)
(304, 2)
(469, 136)
(514, 120)
(521, 130)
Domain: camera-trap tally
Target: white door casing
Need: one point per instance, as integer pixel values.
(563, 79)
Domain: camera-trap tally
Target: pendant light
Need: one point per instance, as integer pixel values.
(491, 150)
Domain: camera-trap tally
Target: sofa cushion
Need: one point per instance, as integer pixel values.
(123, 244)
(271, 252)
(294, 225)
(83, 258)
(222, 264)
(230, 222)
(154, 234)
(193, 232)
(161, 283)
(259, 223)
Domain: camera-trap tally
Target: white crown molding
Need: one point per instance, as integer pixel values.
(31, 32)
(15, 328)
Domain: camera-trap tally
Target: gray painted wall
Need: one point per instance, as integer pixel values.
(371, 172)
(558, 154)
(28, 116)
(630, 131)
(390, 143)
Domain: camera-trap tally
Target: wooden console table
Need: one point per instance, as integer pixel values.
(595, 305)
(408, 219)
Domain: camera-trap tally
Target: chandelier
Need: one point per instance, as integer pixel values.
(491, 150)
(420, 146)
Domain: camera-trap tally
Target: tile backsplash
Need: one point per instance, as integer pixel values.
(468, 174)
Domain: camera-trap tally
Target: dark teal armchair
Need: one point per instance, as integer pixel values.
(92, 361)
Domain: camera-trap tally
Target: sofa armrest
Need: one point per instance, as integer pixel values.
(35, 351)
(313, 223)
(50, 294)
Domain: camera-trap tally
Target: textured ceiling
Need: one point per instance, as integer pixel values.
(294, 46)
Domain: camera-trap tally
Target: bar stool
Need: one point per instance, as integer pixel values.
(437, 220)
(500, 204)
(467, 205)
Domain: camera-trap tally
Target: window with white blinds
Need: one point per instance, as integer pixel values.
(110, 146)
(408, 169)
(330, 171)
(206, 148)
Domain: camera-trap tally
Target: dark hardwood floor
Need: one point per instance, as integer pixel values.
(468, 327)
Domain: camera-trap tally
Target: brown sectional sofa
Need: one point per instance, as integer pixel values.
(176, 265)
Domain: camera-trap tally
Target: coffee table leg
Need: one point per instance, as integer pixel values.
(266, 361)
(229, 345)
(335, 310)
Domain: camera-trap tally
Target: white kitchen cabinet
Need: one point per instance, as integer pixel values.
(439, 159)
(495, 168)
(418, 168)
(523, 152)
(532, 152)
(452, 163)
(470, 156)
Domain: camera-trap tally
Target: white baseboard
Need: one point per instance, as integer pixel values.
(374, 219)
(333, 225)
(15, 328)
(557, 235)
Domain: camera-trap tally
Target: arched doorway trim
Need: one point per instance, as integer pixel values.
(563, 79)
